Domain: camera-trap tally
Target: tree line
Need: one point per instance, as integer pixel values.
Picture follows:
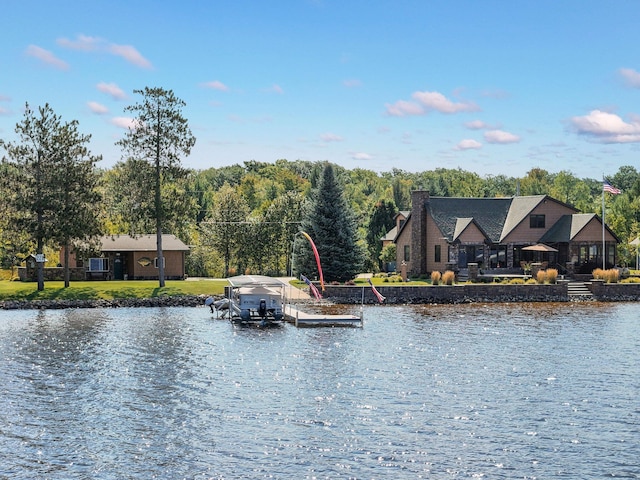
(241, 218)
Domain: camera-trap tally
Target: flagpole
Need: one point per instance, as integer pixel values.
(603, 242)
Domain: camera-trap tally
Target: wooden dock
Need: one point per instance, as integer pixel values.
(304, 319)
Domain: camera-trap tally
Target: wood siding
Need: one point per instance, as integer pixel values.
(593, 232)
(523, 233)
(435, 237)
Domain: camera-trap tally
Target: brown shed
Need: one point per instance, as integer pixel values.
(135, 257)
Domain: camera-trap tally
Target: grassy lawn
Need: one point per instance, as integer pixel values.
(107, 290)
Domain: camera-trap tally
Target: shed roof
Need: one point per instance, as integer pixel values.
(141, 243)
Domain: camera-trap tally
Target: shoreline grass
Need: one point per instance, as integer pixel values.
(114, 289)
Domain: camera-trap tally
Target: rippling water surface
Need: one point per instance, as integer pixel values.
(499, 391)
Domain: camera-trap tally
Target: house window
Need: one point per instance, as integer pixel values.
(98, 264)
(155, 262)
(406, 253)
(438, 253)
(536, 221)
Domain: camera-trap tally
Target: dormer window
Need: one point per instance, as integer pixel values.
(536, 221)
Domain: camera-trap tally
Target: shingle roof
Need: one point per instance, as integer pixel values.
(141, 243)
(489, 214)
(519, 209)
(567, 227)
(390, 235)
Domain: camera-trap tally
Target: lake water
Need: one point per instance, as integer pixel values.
(472, 391)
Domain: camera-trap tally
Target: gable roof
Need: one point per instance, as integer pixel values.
(489, 214)
(462, 224)
(520, 209)
(390, 235)
(569, 226)
(141, 243)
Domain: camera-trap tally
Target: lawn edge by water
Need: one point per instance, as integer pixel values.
(112, 290)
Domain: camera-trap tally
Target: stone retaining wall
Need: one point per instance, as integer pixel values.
(164, 301)
(466, 293)
(615, 292)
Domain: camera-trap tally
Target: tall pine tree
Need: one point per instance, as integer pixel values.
(329, 220)
(49, 184)
(160, 136)
(380, 222)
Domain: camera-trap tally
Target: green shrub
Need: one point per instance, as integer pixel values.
(517, 281)
(531, 281)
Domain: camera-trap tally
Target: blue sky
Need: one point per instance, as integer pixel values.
(493, 87)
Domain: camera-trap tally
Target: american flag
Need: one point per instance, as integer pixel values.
(312, 287)
(610, 188)
(376, 292)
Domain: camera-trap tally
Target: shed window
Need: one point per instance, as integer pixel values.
(536, 221)
(98, 264)
(406, 253)
(155, 262)
(438, 253)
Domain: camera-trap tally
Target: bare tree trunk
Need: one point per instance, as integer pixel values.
(158, 208)
(40, 266)
(66, 263)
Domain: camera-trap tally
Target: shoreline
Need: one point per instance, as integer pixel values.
(395, 295)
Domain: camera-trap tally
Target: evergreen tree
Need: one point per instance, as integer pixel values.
(381, 221)
(160, 136)
(329, 220)
(49, 186)
(79, 200)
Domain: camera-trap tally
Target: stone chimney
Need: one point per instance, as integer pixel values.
(419, 203)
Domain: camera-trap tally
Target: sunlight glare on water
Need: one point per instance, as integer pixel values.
(480, 391)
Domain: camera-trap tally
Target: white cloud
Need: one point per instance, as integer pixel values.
(47, 57)
(607, 127)
(124, 122)
(437, 101)
(83, 43)
(361, 156)
(215, 85)
(630, 76)
(130, 54)
(500, 136)
(425, 102)
(86, 43)
(97, 108)
(112, 90)
(402, 108)
(468, 144)
(331, 137)
(476, 125)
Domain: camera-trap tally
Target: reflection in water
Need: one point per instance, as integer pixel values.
(506, 391)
